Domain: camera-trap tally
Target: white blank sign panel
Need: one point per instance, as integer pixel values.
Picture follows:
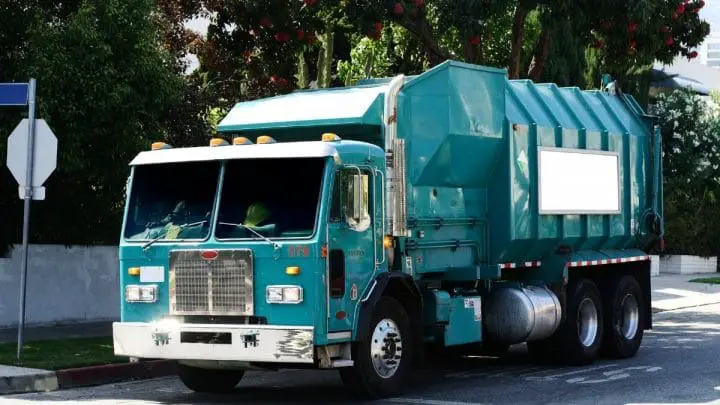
(576, 181)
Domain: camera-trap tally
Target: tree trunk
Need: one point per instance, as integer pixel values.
(517, 39)
(423, 31)
(303, 75)
(369, 64)
(474, 53)
(325, 57)
(537, 66)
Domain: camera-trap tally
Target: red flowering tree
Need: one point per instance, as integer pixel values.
(640, 33)
(260, 48)
(628, 33)
(446, 29)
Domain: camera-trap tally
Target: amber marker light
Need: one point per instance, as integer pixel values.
(241, 140)
(263, 139)
(160, 145)
(388, 242)
(218, 142)
(330, 137)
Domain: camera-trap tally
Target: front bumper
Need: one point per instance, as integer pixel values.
(245, 343)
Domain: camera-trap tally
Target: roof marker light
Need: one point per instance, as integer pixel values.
(330, 137)
(241, 140)
(160, 145)
(265, 139)
(218, 142)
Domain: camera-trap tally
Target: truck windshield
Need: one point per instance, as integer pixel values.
(275, 198)
(171, 201)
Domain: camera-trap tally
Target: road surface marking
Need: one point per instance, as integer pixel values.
(555, 376)
(682, 293)
(429, 401)
(613, 377)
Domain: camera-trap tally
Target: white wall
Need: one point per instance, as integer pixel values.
(64, 284)
(685, 264)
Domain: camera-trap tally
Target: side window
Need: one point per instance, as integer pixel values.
(336, 209)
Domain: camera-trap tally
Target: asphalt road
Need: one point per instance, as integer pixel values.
(679, 363)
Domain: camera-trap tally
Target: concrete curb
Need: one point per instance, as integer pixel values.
(29, 381)
(43, 381)
(111, 373)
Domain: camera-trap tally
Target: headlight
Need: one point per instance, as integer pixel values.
(141, 293)
(284, 294)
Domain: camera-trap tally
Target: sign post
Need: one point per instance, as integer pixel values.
(29, 170)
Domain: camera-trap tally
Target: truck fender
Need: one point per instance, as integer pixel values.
(402, 287)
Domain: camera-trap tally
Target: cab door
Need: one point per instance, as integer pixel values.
(351, 246)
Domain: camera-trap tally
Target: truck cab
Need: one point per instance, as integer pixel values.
(253, 253)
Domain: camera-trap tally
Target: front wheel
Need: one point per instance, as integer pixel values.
(209, 381)
(382, 358)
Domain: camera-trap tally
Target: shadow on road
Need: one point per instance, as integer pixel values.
(678, 363)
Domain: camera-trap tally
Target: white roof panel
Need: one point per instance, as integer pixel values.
(228, 152)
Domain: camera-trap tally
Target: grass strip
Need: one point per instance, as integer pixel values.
(62, 353)
(706, 280)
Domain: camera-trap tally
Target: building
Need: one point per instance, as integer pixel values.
(709, 51)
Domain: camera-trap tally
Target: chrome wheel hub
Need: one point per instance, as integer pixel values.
(630, 316)
(386, 348)
(587, 322)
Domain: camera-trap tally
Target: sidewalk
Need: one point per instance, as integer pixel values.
(672, 292)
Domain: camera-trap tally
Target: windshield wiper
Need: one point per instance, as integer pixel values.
(275, 244)
(149, 243)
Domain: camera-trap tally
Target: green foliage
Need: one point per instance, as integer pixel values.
(691, 171)
(396, 51)
(255, 49)
(104, 86)
(635, 33)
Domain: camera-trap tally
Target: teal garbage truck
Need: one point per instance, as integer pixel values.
(359, 228)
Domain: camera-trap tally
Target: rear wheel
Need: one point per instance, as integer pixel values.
(625, 314)
(382, 359)
(580, 336)
(208, 380)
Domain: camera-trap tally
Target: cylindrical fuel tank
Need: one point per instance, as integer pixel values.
(515, 314)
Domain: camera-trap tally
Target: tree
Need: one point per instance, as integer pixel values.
(638, 33)
(627, 35)
(104, 84)
(691, 172)
(256, 49)
(446, 29)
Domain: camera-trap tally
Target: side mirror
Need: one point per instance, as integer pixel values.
(357, 198)
(356, 215)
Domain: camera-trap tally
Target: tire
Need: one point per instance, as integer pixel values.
(208, 380)
(580, 336)
(375, 377)
(624, 318)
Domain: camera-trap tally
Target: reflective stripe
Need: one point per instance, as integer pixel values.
(585, 263)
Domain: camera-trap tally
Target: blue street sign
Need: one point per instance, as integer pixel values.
(13, 94)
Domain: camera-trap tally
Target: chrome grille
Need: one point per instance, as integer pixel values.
(219, 286)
